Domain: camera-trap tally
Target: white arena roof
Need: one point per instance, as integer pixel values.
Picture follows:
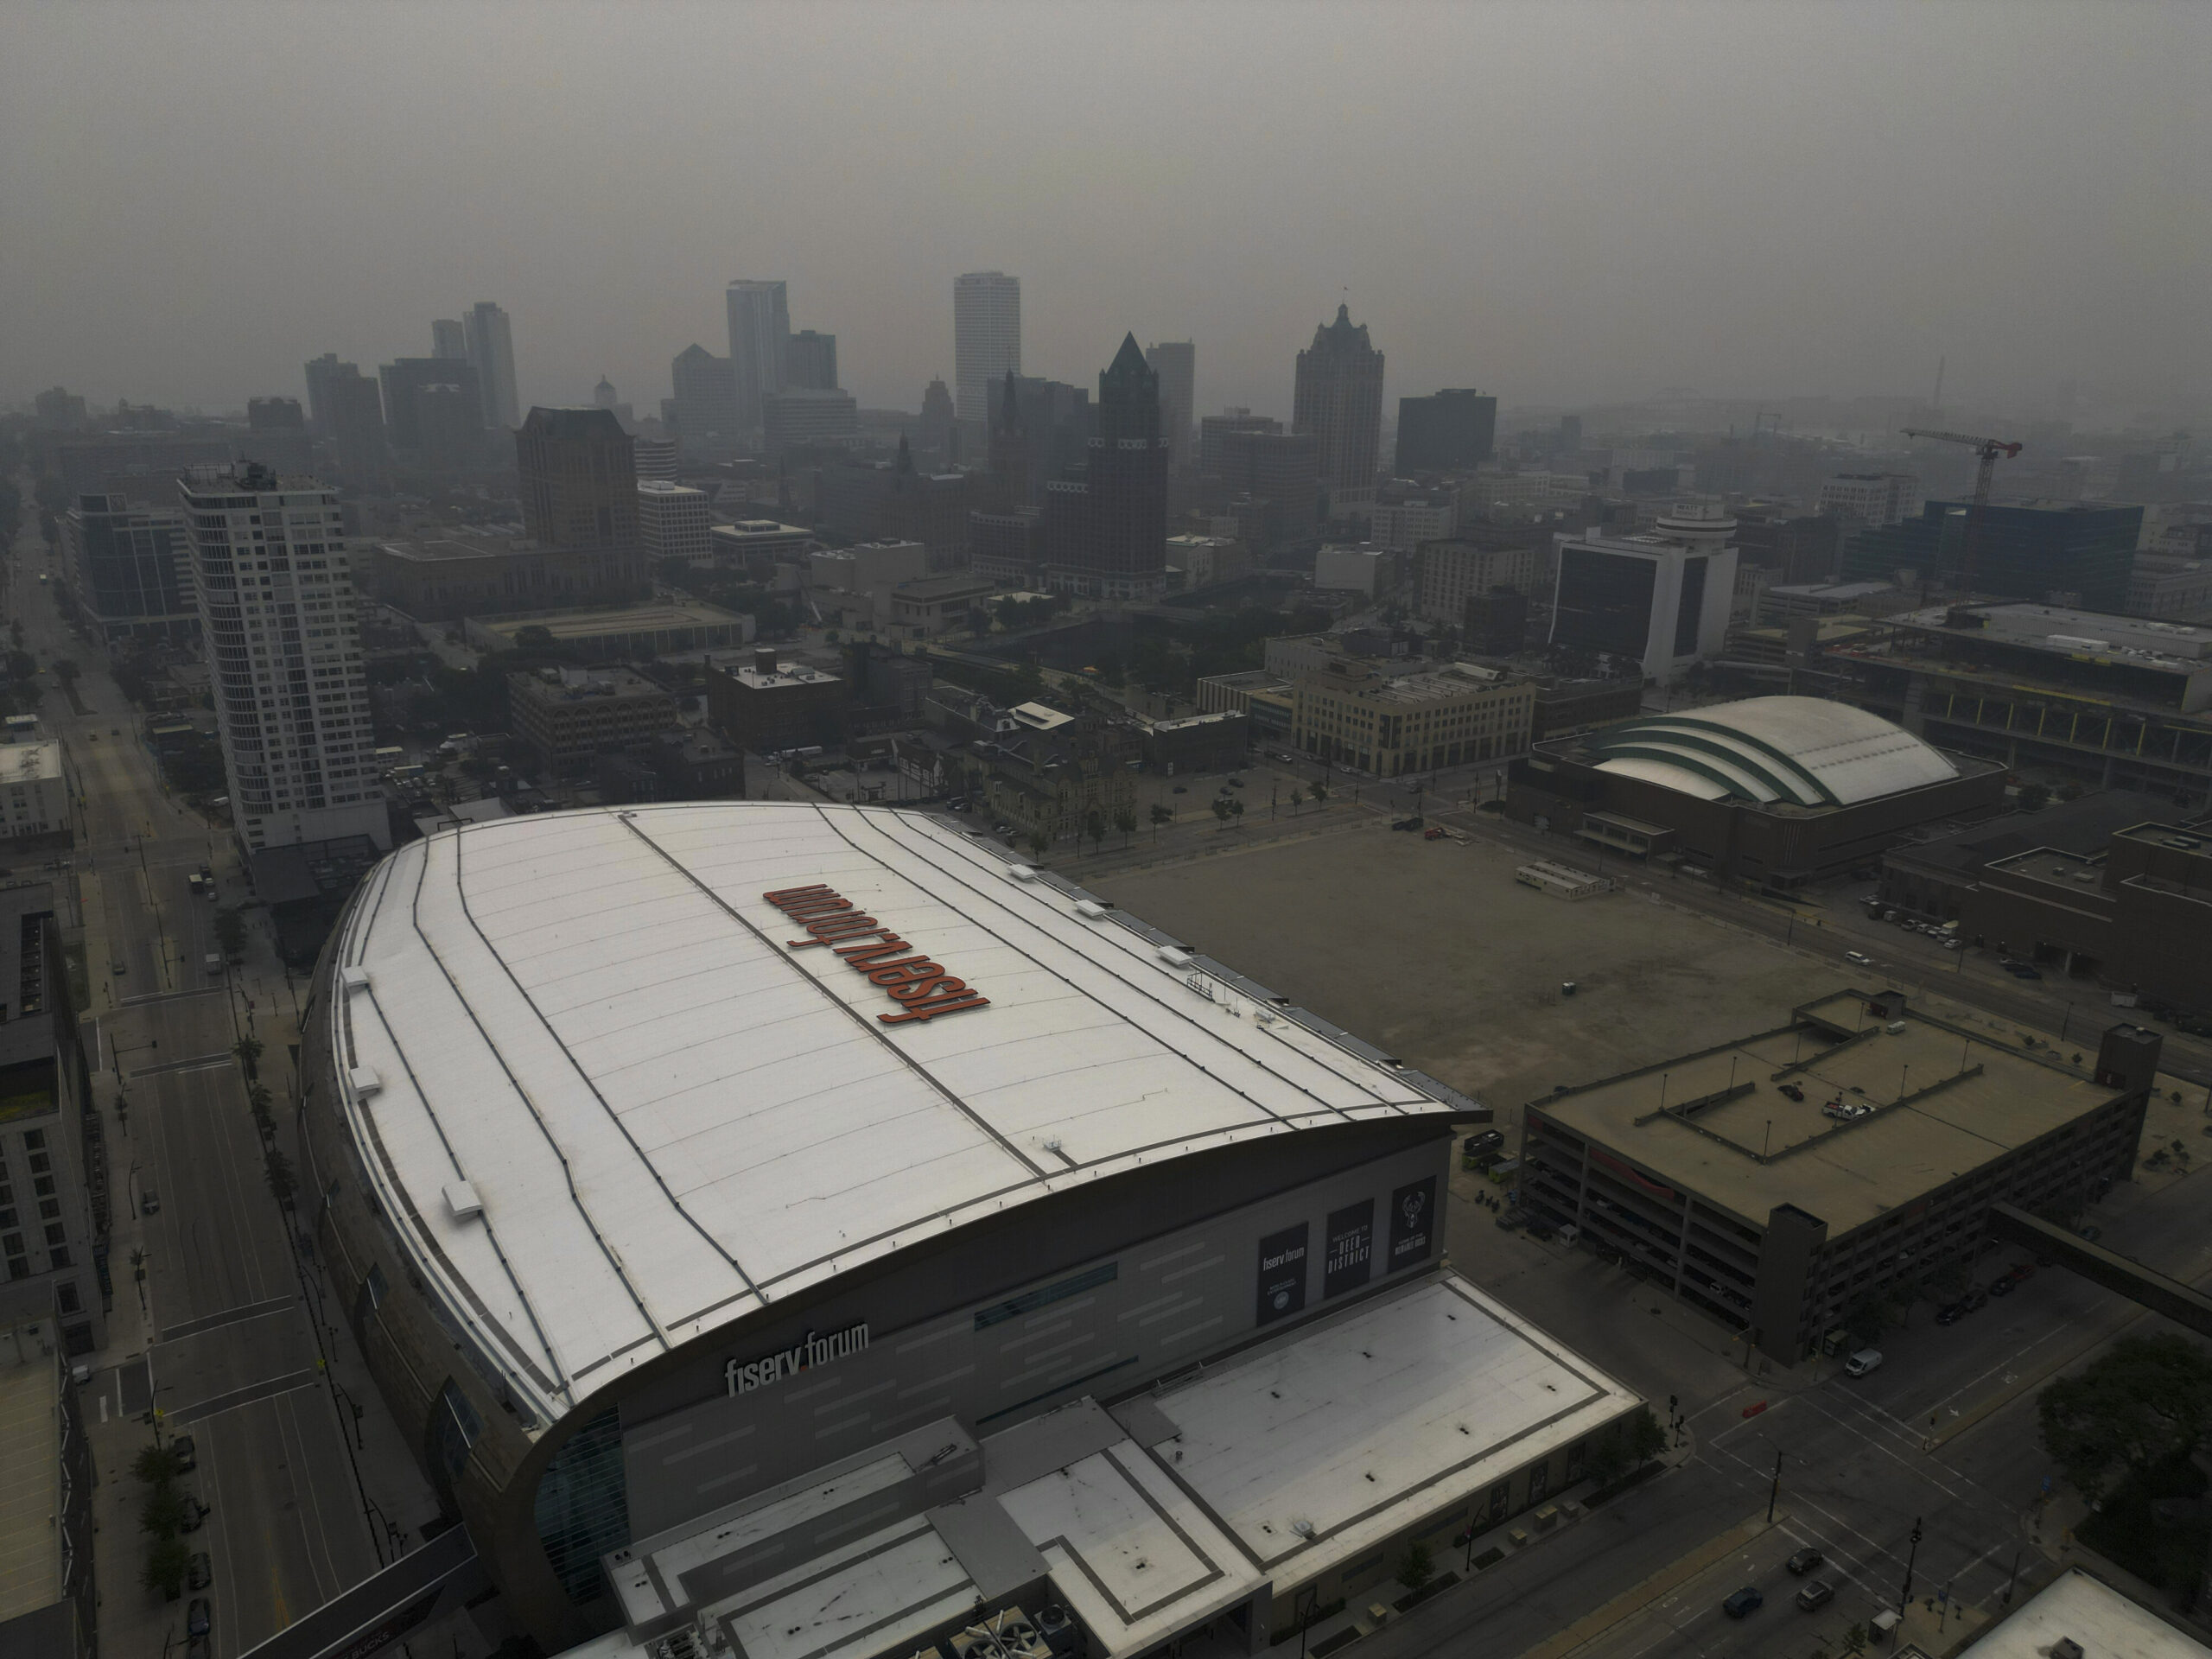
(1801, 751)
(610, 1106)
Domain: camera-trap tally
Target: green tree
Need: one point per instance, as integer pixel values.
(1160, 815)
(1220, 810)
(1320, 793)
(163, 1513)
(230, 933)
(1125, 820)
(1854, 1640)
(2148, 1401)
(1646, 1438)
(1094, 825)
(279, 1175)
(166, 1563)
(248, 1051)
(156, 1464)
(1039, 840)
(66, 670)
(2032, 797)
(1236, 808)
(1609, 1458)
(536, 637)
(1297, 799)
(1862, 1321)
(1417, 1566)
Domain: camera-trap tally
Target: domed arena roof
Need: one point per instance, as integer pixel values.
(1793, 751)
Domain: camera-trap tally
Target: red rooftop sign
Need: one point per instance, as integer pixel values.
(868, 947)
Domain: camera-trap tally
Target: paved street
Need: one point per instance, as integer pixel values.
(227, 1323)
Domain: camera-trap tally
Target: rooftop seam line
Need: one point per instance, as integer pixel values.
(614, 1116)
(1160, 1002)
(559, 1381)
(567, 1174)
(628, 821)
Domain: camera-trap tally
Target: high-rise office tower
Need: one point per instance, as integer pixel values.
(492, 354)
(1106, 535)
(448, 339)
(811, 362)
(1450, 432)
(705, 403)
(426, 421)
(276, 617)
(1176, 363)
(1339, 400)
(345, 411)
(986, 337)
(939, 432)
(579, 478)
(760, 344)
(1215, 430)
(278, 437)
(133, 569)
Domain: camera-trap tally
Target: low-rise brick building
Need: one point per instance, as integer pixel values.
(568, 715)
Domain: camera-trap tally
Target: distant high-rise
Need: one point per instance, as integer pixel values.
(705, 404)
(278, 433)
(579, 476)
(491, 353)
(1175, 361)
(448, 338)
(345, 412)
(1106, 535)
(811, 362)
(760, 344)
(1450, 432)
(433, 409)
(1214, 431)
(939, 434)
(1339, 400)
(986, 337)
(278, 618)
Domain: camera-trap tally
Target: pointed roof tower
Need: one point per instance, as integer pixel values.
(1128, 395)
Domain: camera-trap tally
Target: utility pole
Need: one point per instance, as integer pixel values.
(1904, 1600)
(1775, 1490)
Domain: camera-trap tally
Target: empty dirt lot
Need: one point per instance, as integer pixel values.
(1431, 952)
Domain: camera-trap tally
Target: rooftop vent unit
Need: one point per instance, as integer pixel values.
(461, 1200)
(1174, 957)
(365, 1080)
(1090, 908)
(354, 979)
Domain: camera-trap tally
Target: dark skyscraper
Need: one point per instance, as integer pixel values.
(705, 404)
(579, 476)
(441, 428)
(1450, 432)
(346, 413)
(810, 361)
(1106, 536)
(1339, 400)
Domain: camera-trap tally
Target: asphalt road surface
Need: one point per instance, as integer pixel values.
(225, 1328)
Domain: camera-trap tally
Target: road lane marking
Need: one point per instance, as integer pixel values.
(228, 1315)
(199, 1412)
(197, 1063)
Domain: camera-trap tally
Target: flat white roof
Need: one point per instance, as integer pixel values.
(2106, 1625)
(1326, 1445)
(671, 1116)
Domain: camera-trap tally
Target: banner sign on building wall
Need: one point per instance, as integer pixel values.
(1348, 1252)
(1413, 1224)
(742, 1376)
(1282, 1273)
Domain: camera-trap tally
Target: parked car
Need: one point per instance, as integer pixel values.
(1805, 1560)
(198, 1571)
(1793, 1091)
(1742, 1603)
(188, 1454)
(1860, 958)
(1816, 1595)
(1951, 1313)
(1180, 789)
(149, 1202)
(2021, 970)
(1977, 1299)
(1434, 832)
(2090, 1235)
(1865, 1360)
(2003, 1286)
(199, 1618)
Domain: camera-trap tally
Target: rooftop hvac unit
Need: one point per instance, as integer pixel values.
(354, 979)
(365, 1080)
(1090, 908)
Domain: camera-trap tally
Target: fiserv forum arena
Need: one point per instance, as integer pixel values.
(803, 1227)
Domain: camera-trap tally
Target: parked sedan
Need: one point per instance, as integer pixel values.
(1742, 1603)
(1816, 1595)
(1805, 1560)
(1859, 958)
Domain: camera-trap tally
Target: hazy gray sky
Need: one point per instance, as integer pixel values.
(1557, 202)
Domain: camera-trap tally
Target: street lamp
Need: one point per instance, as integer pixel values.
(1904, 1600)
(116, 1054)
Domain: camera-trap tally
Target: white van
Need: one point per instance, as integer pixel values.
(1864, 1360)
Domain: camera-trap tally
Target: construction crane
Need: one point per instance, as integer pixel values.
(1990, 450)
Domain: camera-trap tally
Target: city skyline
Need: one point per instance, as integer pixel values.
(1732, 251)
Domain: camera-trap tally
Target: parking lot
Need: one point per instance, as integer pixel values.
(1432, 950)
